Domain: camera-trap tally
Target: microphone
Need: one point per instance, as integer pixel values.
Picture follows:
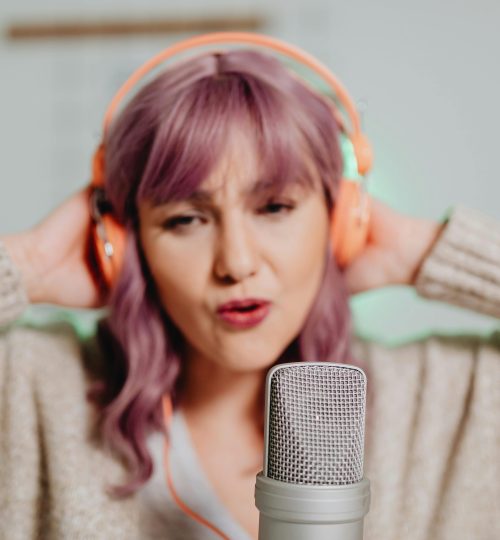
(312, 485)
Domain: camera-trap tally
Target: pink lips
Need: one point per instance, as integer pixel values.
(244, 313)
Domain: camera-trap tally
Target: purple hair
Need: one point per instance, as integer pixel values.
(160, 148)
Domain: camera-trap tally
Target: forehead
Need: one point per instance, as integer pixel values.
(237, 168)
(243, 158)
(241, 170)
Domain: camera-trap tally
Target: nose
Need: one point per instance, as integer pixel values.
(236, 257)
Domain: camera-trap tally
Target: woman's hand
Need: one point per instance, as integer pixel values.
(52, 257)
(396, 247)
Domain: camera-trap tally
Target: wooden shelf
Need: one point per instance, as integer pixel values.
(129, 27)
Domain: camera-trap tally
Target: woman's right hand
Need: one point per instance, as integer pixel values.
(53, 257)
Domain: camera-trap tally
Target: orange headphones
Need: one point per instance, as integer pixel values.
(349, 227)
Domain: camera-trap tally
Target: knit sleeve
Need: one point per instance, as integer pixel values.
(13, 298)
(463, 266)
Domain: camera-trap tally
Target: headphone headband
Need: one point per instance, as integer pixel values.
(362, 148)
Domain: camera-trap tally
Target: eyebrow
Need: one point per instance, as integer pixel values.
(264, 185)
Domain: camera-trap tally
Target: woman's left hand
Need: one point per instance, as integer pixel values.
(396, 247)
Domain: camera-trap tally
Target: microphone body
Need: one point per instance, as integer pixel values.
(312, 485)
(294, 512)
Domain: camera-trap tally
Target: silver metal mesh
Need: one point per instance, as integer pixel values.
(316, 424)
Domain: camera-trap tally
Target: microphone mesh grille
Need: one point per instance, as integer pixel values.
(316, 424)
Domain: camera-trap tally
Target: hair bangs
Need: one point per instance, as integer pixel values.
(280, 143)
(195, 133)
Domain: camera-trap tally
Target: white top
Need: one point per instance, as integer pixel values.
(160, 515)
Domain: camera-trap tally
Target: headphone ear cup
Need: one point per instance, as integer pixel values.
(109, 264)
(350, 222)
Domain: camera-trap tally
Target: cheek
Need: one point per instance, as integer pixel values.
(300, 257)
(299, 262)
(180, 279)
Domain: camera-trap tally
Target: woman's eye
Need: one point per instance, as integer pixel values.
(276, 208)
(181, 222)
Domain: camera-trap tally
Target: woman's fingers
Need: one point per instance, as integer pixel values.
(396, 247)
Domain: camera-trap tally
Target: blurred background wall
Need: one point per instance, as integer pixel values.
(428, 72)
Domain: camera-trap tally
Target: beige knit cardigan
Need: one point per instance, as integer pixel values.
(433, 428)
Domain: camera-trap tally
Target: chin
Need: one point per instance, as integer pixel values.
(247, 363)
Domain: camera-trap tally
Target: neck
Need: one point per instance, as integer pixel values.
(216, 395)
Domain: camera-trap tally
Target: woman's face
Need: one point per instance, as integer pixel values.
(235, 240)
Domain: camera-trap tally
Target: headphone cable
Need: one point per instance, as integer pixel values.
(167, 415)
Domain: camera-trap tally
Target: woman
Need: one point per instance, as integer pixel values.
(224, 171)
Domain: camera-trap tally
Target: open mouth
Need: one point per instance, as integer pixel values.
(244, 313)
(246, 309)
(242, 306)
